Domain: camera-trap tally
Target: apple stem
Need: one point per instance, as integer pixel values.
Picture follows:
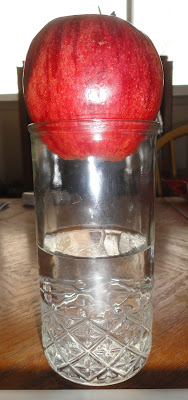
(100, 12)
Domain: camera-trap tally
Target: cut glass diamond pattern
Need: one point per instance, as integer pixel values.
(57, 329)
(69, 348)
(107, 350)
(67, 318)
(69, 373)
(87, 334)
(92, 342)
(125, 362)
(108, 375)
(56, 357)
(88, 367)
(46, 337)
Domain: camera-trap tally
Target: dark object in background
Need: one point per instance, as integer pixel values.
(25, 138)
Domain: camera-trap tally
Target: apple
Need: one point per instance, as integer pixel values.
(92, 67)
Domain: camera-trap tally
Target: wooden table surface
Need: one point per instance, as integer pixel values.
(22, 362)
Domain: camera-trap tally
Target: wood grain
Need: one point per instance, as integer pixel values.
(22, 362)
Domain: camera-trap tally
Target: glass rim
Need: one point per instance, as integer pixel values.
(89, 120)
(82, 125)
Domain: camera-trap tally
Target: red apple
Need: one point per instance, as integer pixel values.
(92, 67)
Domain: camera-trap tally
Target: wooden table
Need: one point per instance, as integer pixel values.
(22, 362)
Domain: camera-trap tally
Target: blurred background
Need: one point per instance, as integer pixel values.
(164, 21)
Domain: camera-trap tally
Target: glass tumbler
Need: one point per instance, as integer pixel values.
(94, 184)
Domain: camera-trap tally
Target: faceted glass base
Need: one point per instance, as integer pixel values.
(110, 348)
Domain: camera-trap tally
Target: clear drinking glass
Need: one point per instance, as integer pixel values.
(95, 238)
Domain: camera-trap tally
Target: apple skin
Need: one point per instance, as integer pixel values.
(92, 67)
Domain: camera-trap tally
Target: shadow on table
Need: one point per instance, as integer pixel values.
(48, 379)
